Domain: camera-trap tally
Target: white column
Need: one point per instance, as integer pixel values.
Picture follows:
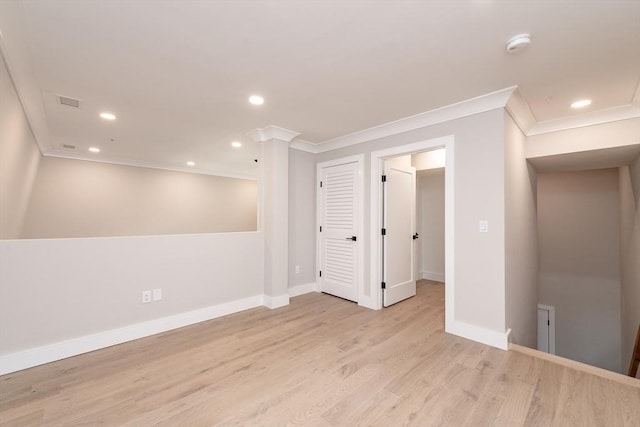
(273, 210)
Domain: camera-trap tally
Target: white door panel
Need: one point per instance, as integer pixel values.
(398, 243)
(543, 330)
(339, 222)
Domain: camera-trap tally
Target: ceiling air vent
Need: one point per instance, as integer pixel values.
(71, 102)
(69, 147)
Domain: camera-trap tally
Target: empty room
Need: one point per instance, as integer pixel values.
(319, 213)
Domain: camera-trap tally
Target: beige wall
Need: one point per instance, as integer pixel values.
(596, 137)
(521, 256)
(432, 159)
(53, 290)
(76, 198)
(629, 182)
(431, 223)
(479, 194)
(19, 159)
(579, 255)
(302, 218)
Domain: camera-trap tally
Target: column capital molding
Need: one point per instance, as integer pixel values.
(272, 132)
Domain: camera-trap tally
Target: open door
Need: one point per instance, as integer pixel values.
(399, 218)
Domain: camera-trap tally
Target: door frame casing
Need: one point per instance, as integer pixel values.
(359, 160)
(375, 238)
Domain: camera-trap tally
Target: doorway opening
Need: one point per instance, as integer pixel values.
(378, 275)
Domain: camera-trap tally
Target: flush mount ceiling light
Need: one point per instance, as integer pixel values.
(518, 43)
(581, 103)
(236, 144)
(94, 149)
(256, 100)
(108, 116)
(190, 163)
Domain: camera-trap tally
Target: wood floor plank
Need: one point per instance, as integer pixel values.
(321, 361)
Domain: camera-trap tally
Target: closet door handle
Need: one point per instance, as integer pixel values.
(354, 238)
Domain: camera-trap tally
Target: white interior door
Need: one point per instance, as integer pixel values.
(399, 218)
(547, 328)
(339, 237)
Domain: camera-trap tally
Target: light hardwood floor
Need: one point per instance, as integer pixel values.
(320, 361)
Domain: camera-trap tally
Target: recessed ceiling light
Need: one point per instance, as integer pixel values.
(108, 116)
(517, 43)
(191, 163)
(236, 144)
(256, 100)
(94, 149)
(581, 103)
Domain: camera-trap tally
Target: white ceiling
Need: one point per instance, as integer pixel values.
(178, 74)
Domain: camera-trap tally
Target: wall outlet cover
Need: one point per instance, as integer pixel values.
(146, 297)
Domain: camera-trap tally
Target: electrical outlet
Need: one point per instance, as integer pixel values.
(157, 294)
(483, 227)
(146, 297)
(297, 269)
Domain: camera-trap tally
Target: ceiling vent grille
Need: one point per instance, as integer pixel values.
(69, 146)
(71, 102)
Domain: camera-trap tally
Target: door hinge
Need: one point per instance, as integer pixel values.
(320, 184)
(548, 322)
(320, 273)
(384, 231)
(384, 285)
(384, 178)
(321, 229)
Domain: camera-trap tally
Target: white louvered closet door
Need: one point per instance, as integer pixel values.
(339, 235)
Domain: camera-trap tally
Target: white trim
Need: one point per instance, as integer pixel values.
(434, 277)
(476, 333)
(13, 362)
(302, 145)
(509, 98)
(519, 110)
(552, 326)
(228, 173)
(480, 104)
(363, 299)
(623, 112)
(449, 235)
(375, 241)
(276, 302)
(302, 289)
(272, 132)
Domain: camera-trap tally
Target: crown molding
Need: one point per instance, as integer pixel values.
(623, 112)
(227, 173)
(272, 132)
(306, 146)
(519, 110)
(480, 104)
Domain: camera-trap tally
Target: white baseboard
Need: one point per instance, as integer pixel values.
(24, 359)
(478, 334)
(302, 289)
(430, 275)
(276, 302)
